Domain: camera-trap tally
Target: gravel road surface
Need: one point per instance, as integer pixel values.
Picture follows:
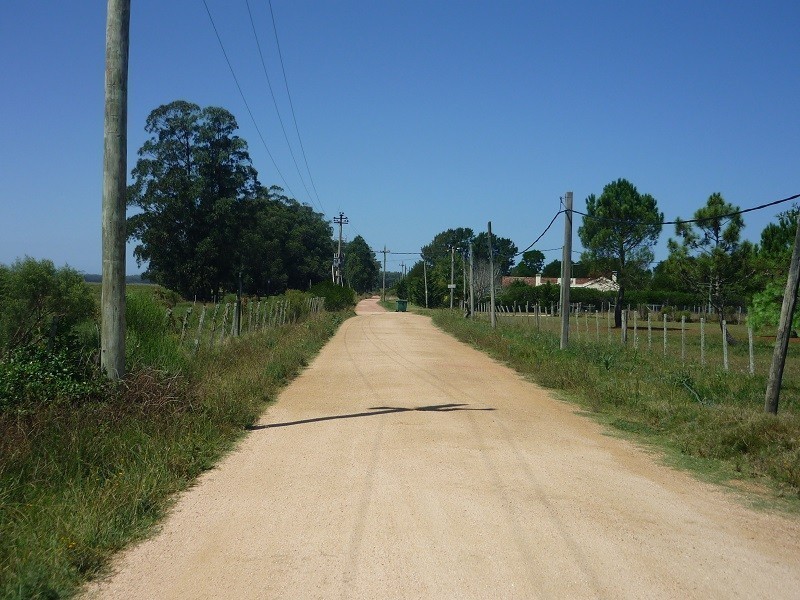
(403, 464)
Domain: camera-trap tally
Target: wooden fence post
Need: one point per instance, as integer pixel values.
(665, 334)
(200, 329)
(725, 345)
(750, 347)
(185, 323)
(702, 341)
(683, 338)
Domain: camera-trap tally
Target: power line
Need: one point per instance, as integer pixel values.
(726, 216)
(275, 104)
(241, 93)
(291, 104)
(541, 235)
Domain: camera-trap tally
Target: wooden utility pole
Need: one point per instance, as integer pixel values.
(471, 285)
(115, 141)
(492, 317)
(784, 329)
(463, 279)
(566, 269)
(425, 275)
(383, 289)
(452, 285)
(338, 261)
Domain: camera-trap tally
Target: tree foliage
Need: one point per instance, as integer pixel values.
(772, 263)
(40, 303)
(619, 232)
(710, 256)
(360, 266)
(202, 218)
(531, 263)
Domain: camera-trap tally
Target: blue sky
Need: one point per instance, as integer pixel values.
(416, 116)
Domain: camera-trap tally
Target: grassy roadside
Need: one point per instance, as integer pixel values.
(706, 420)
(79, 482)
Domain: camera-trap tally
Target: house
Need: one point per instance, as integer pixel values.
(604, 284)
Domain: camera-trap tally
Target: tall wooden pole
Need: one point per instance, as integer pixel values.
(383, 289)
(492, 317)
(784, 329)
(425, 275)
(452, 265)
(566, 269)
(115, 136)
(471, 284)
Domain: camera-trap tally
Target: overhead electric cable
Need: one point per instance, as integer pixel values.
(241, 93)
(725, 216)
(275, 103)
(541, 235)
(291, 104)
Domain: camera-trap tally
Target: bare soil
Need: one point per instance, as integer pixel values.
(404, 464)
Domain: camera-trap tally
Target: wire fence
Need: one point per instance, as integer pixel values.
(691, 338)
(211, 324)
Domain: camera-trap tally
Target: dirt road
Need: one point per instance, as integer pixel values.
(403, 464)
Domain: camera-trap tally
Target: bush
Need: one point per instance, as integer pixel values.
(336, 297)
(39, 303)
(150, 336)
(36, 374)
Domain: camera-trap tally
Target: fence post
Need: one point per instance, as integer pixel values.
(624, 332)
(683, 338)
(665, 334)
(750, 346)
(649, 331)
(725, 345)
(224, 321)
(702, 341)
(200, 329)
(597, 325)
(636, 329)
(213, 324)
(185, 323)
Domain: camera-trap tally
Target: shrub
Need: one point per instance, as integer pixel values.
(39, 303)
(36, 374)
(336, 297)
(150, 337)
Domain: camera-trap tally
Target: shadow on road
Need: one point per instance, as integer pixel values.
(377, 410)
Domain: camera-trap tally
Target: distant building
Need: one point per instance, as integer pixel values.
(604, 284)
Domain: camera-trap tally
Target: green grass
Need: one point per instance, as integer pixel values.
(80, 481)
(703, 418)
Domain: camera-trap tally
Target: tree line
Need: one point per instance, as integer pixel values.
(204, 224)
(709, 263)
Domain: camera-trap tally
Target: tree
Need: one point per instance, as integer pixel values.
(360, 267)
(40, 303)
(618, 233)
(504, 251)
(191, 183)
(439, 247)
(710, 257)
(531, 264)
(772, 263)
(286, 245)
(553, 269)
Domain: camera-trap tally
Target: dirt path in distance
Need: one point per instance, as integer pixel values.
(404, 464)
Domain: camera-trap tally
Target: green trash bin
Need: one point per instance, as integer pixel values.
(402, 305)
